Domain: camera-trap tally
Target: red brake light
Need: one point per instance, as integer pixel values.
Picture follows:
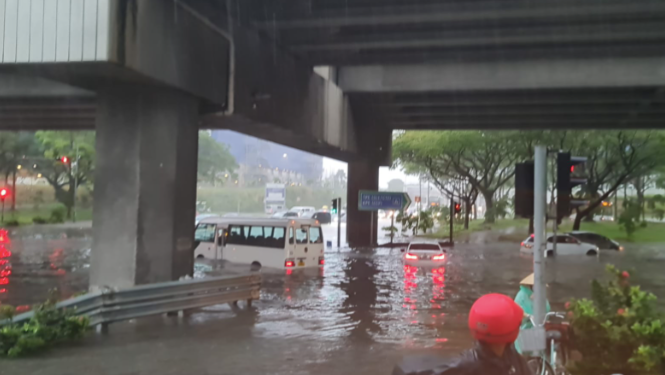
(322, 261)
(533, 235)
(411, 256)
(289, 263)
(522, 244)
(439, 257)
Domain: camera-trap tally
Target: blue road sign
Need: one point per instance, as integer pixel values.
(382, 200)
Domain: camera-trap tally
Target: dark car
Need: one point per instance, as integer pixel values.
(602, 242)
(323, 217)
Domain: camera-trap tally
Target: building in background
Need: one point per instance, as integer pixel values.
(264, 162)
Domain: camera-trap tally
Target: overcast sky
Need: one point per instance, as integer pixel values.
(385, 174)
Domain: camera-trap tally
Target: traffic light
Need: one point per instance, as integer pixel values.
(570, 173)
(64, 160)
(524, 180)
(458, 208)
(334, 206)
(4, 193)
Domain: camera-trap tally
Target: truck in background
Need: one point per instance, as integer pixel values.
(275, 198)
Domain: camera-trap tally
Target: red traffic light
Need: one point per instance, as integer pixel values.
(4, 193)
(572, 168)
(64, 159)
(458, 208)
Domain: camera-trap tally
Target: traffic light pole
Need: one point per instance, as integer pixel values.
(452, 215)
(539, 212)
(339, 222)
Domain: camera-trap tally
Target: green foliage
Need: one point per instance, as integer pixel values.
(484, 161)
(48, 326)
(410, 222)
(63, 177)
(38, 199)
(618, 331)
(58, 214)
(391, 230)
(214, 160)
(629, 218)
(39, 220)
(11, 223)
(659, 213)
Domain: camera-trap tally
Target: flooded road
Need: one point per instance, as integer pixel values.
(359, 314)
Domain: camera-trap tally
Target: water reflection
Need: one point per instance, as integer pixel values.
(361, 296)
(32, 264)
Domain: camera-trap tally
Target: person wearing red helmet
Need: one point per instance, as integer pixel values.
(494, 321)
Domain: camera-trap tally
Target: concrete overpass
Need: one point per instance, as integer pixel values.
(146, 74)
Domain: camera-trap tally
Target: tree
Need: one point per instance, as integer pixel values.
(15, 148)
(79, 147)
(613, 159)
(214, 159)
(486, 161)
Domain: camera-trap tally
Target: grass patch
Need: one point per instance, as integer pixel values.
(477, 226)
(25, 216)
(653, 232)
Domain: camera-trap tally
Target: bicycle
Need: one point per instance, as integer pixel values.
(552, 360)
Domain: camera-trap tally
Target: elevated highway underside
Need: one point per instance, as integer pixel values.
(142, 70)
(430, 64)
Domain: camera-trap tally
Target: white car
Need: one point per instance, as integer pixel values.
(424, 253)
(565, 245)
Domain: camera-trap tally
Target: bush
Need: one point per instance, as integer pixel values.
(47, 327)
(58, 214)
(629, 218)
(12, 223)
(39, 220)
(618, 331)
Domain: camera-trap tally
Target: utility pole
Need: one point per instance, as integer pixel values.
(75, 171)
(539, 194)
(339, 222)
(452, 214)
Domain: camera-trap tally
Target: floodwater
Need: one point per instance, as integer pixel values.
(359, 314)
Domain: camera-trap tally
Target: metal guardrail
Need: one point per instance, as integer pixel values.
(152, 299)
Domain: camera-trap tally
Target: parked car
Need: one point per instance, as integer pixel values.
(565, 245)
(324, 217)
(420, 253)
(601, 241)
(281, 215)
(303, 211)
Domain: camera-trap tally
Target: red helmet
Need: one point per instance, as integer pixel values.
(495, 318)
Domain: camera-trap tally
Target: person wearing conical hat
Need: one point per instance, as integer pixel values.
(524, 299)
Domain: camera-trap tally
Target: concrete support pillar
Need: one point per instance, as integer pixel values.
(361, 229)
(145, 187)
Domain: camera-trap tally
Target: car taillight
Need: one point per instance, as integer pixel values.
(411, 256)
(522, 244)
(439, 257)
(322, 261)
(289, 263)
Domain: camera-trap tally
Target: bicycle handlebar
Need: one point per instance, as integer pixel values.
(547, 316)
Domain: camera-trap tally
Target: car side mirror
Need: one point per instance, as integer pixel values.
(402, 250)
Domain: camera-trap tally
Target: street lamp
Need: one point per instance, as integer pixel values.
(39, 175)
(19, 166)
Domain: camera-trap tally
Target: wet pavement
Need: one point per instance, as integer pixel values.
(359, 314)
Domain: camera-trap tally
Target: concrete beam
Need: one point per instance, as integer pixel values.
(517, 75)
(490, 38)
(468, 12)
